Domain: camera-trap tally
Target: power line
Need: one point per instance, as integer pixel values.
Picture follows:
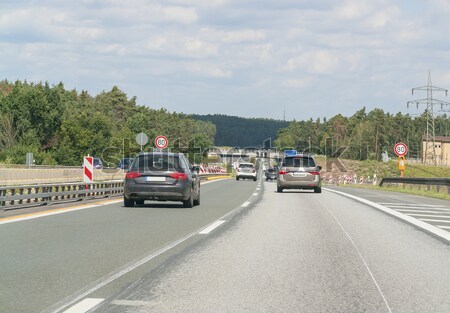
(429, 153)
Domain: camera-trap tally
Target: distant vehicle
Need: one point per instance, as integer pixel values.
(299, 172)
(125, 163)
(98, 164)
(246, 171)
(271, 174)
(162, 176)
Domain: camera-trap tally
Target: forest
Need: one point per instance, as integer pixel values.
(61, 126)
(235, 131)
(364, 135)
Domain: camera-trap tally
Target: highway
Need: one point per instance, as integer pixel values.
(263, 252)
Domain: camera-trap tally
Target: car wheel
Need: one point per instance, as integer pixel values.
(197, 201)
(254, 179)
(318, 189)
(140, 202)
(279, 189)
(237, 178)
(189, 203)
(128, 202)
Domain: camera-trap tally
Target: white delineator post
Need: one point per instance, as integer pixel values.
(88, 176)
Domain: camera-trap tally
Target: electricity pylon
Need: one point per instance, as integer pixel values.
(429, 153)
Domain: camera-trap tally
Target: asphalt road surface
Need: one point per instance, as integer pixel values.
(263, 252)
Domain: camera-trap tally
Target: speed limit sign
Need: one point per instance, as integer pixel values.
(400, 149)
(161, 142)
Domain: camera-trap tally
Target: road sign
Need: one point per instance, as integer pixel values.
(400, 149)
(88, 164)
(141, 139)
(161, 142)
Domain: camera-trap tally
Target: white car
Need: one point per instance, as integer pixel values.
(246, 171)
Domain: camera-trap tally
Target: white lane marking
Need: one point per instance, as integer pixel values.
(432, 220)
(444, 227)
(85, 305)
(103, 281)
(245, 204)
(412, 204)
(429, 215)
(409, 219)
(417, 207)
(255, 194)
(359, 253)
(211, 227)
(421, 211)
(61, 211)
(112, 202)
(258, 189)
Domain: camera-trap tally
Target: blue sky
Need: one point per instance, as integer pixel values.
(246, 58)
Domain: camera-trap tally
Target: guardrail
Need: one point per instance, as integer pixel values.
(16, 197)
(427, 182)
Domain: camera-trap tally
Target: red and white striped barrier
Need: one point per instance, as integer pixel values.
(88, 176)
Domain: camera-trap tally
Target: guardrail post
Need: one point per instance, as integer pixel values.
(3, 194)
(13, 193)
(29, 193)
(21, 193)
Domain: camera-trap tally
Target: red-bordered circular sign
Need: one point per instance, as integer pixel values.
(161, 142)
(400, 149)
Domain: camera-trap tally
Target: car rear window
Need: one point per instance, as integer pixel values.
(299, 161)
(157, 163)
(246, 166)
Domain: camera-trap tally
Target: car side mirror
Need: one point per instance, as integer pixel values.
(319, 167)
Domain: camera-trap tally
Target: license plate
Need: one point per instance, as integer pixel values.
(300, 174)
(155, 179)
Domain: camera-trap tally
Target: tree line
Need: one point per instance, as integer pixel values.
(61, 126)
(364, 135)
(243, 132)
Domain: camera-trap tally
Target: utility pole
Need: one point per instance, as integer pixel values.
(429, 151)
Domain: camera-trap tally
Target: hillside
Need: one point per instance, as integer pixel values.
(243, 132)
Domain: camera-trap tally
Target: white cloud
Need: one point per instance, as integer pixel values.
(315, 62)
(208, 70)
(298, 83)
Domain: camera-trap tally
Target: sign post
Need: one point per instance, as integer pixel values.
(401, 150)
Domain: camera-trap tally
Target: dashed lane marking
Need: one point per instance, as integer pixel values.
(211, 227)
(85, 305)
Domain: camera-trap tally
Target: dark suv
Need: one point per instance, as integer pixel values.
(161, 176)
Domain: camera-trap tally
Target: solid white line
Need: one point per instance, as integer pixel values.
(418, 207)
(429, 215)
(421, 211)
(85, 305)
(360, 255)
(211, 227)
(411, 204)
(409, 219)
(444, 227)
(245, 204)
(431, 220)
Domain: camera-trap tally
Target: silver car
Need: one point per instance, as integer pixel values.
(299, 172)
(162, 176)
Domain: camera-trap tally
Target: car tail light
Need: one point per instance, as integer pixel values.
(179, 176)
(282, 172)
(132, 175)
(314, 173)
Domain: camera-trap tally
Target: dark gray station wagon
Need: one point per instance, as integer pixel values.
(161, 176)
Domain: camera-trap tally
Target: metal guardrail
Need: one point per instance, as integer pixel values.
(416, 181)
(15, 197)
(428, 182)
